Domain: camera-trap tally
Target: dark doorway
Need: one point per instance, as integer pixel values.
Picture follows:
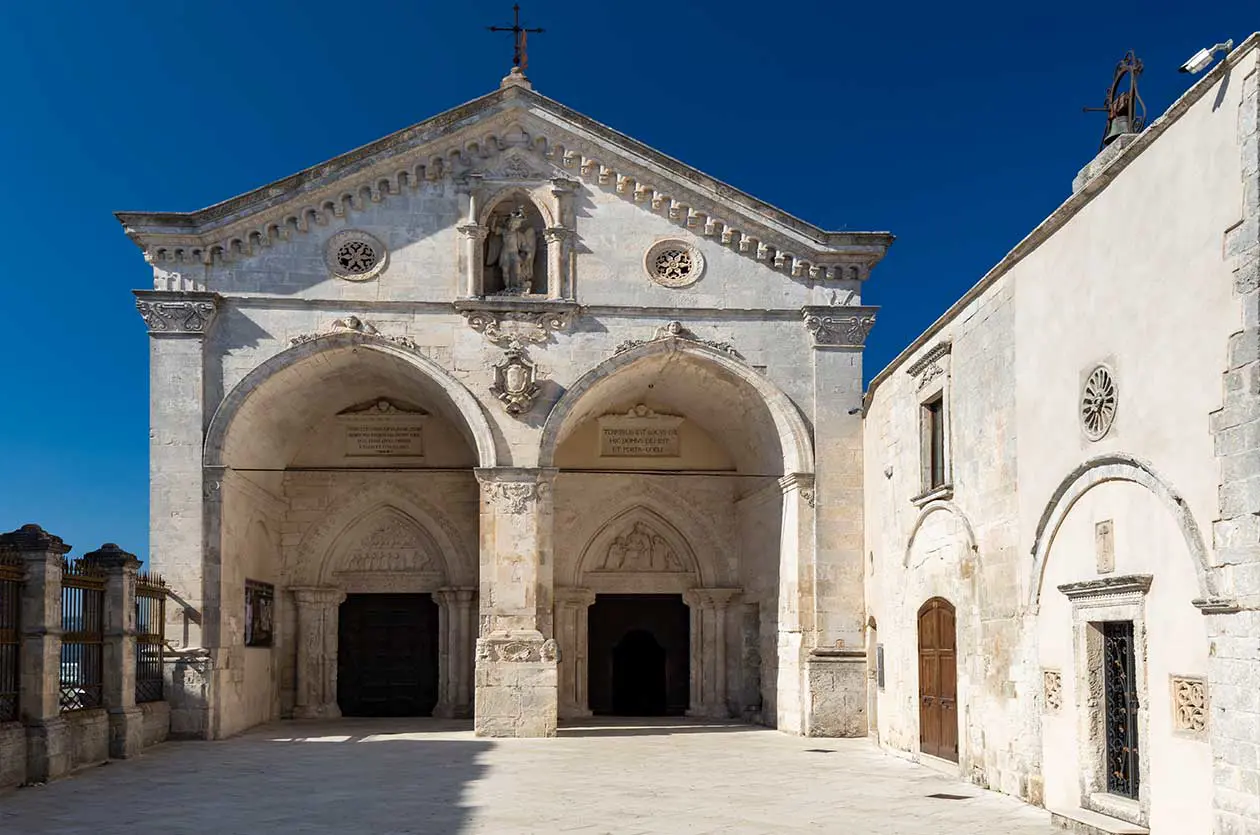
(387, 656)
(938, 681)
(640, 655)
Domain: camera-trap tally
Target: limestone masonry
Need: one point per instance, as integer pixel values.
(508, 416)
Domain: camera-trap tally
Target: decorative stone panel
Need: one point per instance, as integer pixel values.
(177, 313)
(1099, 398)
(839, 327)
(1052, 688)
(1189, 706)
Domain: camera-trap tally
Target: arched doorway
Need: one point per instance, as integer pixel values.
(938, 680)
(640, 655)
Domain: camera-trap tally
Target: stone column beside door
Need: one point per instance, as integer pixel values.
(317, 617)
(709, 670)
(572, 634)
(516, 656)
(455, 651)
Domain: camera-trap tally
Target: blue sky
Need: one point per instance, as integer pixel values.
(956, 126)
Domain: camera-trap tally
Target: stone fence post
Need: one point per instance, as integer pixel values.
(48, 754)
(126, 721)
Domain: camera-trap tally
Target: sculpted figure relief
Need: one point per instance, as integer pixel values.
(512, 247)
(641, 549)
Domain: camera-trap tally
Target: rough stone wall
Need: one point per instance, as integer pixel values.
(12, 754)
(1235, 637)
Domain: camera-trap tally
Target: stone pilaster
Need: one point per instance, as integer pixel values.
(183, 539)
(837, 597)
(516, 657)
(572, 635)
(48, 754)
(126, 721)
(709, 608)
(317, 616)
(796, 599)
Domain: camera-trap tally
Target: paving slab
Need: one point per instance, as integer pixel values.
(435, 777)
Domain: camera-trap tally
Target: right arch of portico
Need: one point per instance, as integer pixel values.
(746, 525)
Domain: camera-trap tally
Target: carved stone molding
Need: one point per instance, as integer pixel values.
(518, 650)
(353, 324)
(1124, 584)
(675, 330)
(839, 327)
(929, 359)
(514, 329)
(177, 313)
(514, 491)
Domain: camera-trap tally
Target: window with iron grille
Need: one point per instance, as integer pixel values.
(1120, 689)
(82, 636)
(11, 574)
(150, 635)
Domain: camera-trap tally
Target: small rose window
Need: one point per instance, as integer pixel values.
(1098, 402)
(355, 255)
(673, 264)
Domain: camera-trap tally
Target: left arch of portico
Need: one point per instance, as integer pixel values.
(385, 538)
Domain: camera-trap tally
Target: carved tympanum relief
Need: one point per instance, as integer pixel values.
(640, 548)
(394, 546)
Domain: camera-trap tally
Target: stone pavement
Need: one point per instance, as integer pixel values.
(434, 777)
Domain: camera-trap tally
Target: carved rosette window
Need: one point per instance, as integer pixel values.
(1098, 402)
(355, 255)
(673, 264)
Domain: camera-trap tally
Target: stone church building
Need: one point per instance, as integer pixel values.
(508, 416)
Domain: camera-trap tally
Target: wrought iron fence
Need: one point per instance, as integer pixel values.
(11, 576)
(150, 635)
(82, 635)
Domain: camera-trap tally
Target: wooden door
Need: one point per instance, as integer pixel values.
(387, 655)
(938, 681)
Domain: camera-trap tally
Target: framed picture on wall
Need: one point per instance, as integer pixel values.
(260, 607)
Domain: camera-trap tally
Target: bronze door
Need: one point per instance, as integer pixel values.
(387, 656)
(938, 681)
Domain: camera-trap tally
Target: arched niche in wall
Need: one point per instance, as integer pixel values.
(514, 254)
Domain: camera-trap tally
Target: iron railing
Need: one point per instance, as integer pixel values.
(150, 636)
(82, 635)
(11, 576)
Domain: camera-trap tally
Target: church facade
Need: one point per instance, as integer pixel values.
(508, 416)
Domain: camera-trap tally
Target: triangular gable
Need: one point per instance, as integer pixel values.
(511, 132)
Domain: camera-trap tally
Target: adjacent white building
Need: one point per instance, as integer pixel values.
(509, 416)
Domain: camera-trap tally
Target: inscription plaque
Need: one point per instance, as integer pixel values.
(640, 433)
(383, 429)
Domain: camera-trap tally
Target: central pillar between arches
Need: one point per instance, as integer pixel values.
(516, 669)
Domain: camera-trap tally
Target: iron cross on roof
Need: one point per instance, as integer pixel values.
(520, 57)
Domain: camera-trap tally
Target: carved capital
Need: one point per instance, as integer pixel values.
(318, 595)
(839, 327)
(575, 596)
(177, 313)
(473, 231)
(717, 599)
(514, 491)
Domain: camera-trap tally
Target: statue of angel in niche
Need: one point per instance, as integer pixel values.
(511, 247)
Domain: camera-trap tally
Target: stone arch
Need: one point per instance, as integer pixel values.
(1100, 470)
(520, 193)
(600, 547)
(939, 506)
(317, 552)
(464, 411)
(794, 435)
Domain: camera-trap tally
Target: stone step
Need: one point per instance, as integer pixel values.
(1085, 822)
